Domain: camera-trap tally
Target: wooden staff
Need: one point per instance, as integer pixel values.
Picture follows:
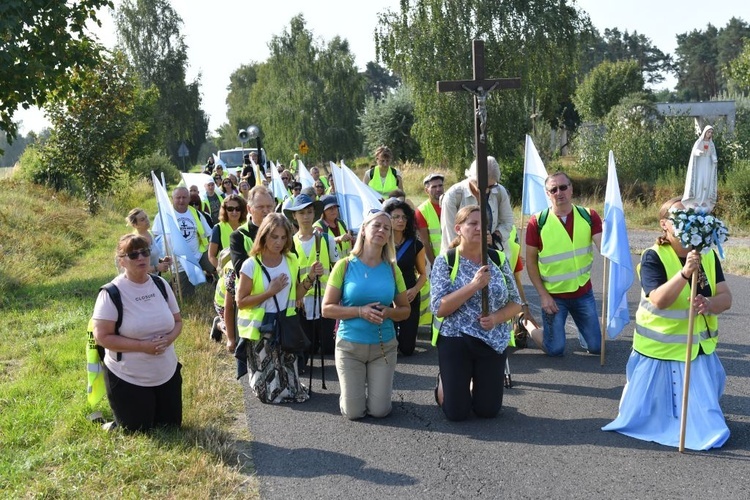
(688, 360)
(605, 299)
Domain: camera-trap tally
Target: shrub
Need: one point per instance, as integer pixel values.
(141, 168)
(32, 167)
(738, 198)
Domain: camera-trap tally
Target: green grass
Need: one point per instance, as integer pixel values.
(54, 258)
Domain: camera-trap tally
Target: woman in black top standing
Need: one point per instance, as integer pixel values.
(410, 256)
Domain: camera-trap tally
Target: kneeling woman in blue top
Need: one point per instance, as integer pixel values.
(650, 407)
(366, 292)
(471, 347)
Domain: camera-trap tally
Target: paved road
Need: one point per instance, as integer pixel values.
(546, 442)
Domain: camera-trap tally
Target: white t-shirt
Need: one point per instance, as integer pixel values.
(145, 315)
(312, 309)
(248, 269)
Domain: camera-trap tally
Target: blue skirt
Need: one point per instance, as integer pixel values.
(651, 402)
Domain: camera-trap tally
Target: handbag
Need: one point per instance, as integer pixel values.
(286, 331)
(520, 332)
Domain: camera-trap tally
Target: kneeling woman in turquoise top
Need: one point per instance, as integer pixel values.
(366, 292)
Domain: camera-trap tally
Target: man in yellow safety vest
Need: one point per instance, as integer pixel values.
(559, 256)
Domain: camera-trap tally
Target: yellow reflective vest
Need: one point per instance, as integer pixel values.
(306, 261)
(249, 319)
(433, 225)
(199, 231)
(565, 264)
(225, 230)
(221, 287)
(383, 186)
(660, 333)
(345, 246)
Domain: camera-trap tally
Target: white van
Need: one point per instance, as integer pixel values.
(234, 158)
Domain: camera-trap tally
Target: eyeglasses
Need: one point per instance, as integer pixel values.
(399, 217)
(563, 187)
(319, 186)
(144, 252)
(232, 209)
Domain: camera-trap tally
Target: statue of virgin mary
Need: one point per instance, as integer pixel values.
(702, 177)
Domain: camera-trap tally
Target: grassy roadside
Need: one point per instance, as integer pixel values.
(53, 260)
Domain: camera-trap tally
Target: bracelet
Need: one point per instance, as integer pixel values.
(524, 304)
(686, 278)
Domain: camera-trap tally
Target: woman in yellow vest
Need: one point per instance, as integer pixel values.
(232, 214)
(270, 270)
(651, 402)
(472, 347)
(383, 178)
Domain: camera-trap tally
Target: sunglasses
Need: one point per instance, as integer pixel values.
(233, 209)
(563, 187)
(399, 217)
(145, 252)
(378, 211)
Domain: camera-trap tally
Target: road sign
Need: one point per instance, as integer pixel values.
(303, 147)
(183, 151)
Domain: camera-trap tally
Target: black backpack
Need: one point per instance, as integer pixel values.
(114, 295)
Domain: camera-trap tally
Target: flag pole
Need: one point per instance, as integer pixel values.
(688, 359)
(605, 300)
(167, 246)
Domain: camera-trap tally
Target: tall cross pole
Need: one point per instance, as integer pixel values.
(480, 88)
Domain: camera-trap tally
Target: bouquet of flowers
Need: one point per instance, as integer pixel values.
(698, 230)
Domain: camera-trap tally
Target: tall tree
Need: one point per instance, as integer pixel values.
(389, 121)
(739, 69)
(702, 57)
(149, 33)
(42, 42)
(605, 86)
(307, 91)
(96, 127)
(379, 80)
(430, 40)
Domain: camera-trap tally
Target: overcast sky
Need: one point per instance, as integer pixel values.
(223, 34)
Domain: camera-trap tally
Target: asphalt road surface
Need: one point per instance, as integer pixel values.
(546, 442)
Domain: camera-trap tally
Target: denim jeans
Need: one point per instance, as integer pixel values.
(583, 311)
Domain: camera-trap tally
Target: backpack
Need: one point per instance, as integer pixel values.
(114, 295)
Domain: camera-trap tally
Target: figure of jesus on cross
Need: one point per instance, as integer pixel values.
(480, 88)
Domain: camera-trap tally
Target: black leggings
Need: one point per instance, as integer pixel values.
(464, 360)
(139, 408)
(406, 330)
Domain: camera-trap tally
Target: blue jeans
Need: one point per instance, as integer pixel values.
(583, 311)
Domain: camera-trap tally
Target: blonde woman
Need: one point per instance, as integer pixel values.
(139, 221)
(366, 293)
(271, 270)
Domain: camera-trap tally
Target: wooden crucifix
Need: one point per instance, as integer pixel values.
(480, 88)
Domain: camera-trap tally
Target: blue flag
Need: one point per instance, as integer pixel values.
(616, 248)
(534, 198)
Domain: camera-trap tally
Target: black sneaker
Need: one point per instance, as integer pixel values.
(215, 330)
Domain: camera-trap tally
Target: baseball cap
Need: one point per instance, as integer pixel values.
(433, 176)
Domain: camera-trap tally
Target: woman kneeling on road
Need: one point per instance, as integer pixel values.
(361, 293)
(471, 347)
